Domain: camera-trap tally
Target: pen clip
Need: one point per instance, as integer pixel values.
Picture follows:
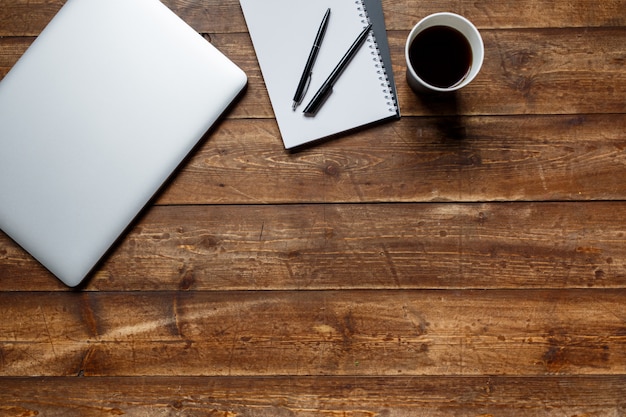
(306, 87)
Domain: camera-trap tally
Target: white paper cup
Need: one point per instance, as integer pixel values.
(467, 29)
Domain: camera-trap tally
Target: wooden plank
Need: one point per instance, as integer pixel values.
(545, 71)
(315, 396)
(384, 333)
(414, 159)
(28, 18)
(487, 14)
(385, 246)
(378, 246)
(548, 71)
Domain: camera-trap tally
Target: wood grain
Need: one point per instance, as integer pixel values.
(383, 246)
(315, 396)
(365, 333)
(28, 17)
(577, 157)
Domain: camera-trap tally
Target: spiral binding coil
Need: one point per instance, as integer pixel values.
(377, 58)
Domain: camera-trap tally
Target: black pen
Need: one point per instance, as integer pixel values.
(327, 87)
(306, 74)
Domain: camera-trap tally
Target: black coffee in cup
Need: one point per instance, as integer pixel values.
(441, 56)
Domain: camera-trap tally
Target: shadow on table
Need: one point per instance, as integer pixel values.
(446, 111)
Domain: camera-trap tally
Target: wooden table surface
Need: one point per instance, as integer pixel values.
(468, 259)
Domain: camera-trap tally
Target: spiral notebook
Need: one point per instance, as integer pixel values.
(283, 32)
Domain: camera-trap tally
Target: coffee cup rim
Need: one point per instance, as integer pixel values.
(475, 40)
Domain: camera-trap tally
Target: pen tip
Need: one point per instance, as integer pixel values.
(294, 105)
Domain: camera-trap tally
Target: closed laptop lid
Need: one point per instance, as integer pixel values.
(94, 117)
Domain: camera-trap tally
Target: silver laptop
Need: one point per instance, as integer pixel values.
(94, 118)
